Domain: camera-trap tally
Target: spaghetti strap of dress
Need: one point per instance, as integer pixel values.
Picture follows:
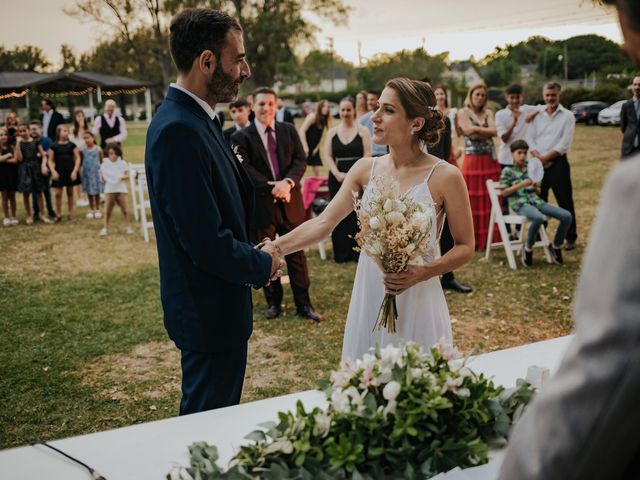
(373, 167)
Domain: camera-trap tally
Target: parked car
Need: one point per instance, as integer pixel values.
(334, 109)
(296, 111)
(587, 112)
(611, 114)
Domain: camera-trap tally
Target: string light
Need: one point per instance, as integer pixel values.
(14, 94)
(124, 91)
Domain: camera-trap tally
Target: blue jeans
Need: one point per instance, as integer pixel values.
(537, 218)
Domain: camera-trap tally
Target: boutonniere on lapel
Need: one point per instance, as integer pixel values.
(236, 152)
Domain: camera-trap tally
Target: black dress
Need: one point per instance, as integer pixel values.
(30, 178)
(65, 163)
(313, 136)
(8, 173)
(345, 157)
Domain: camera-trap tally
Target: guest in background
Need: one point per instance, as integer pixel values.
(629, 123)
(50, 118)
(114, 171)
(478, 127)
(512, 123)
(8, 179)
(283, 114)
(35, 132)
(252, 115)
(311, 131)
(365, 121)
(31, 172)
(549, 139)
(11, 124)
(444, 150)
(361, 103)
(239, 111)
(111, 127)
(442, 103)
(346, 143)
(64, 163)
(80, 125)
(91, 181)
(520, 190)
(275, 161)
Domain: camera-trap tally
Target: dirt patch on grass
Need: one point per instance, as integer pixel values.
(152, 370)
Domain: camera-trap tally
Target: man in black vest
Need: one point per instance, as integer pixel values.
(110, 127)
(629, 123)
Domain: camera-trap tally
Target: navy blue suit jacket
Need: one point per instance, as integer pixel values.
(201, 202)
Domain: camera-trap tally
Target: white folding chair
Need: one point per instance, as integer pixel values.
(510, 246)
(143, 204)
(134, 170)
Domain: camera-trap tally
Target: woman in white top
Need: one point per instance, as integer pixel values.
(404, 120)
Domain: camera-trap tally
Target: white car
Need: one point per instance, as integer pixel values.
(611, 114)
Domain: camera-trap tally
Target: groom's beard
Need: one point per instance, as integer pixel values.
(224, 87)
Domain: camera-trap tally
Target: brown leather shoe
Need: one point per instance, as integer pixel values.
(310, 313)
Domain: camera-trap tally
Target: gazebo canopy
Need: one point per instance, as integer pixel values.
(18, 84)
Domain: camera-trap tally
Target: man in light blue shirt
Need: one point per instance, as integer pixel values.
(365, 121)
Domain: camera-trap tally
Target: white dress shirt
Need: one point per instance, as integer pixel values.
(553, 132)
(46, 120)
(205, 106)
(504, 119)
(111, 121)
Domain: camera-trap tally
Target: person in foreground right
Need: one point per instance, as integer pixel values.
(584, 424)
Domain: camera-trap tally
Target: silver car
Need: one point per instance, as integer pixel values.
(611, 114)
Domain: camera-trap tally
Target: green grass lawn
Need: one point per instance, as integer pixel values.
(84, 347)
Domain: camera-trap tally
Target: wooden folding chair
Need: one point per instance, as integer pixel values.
(143, 204)
(134, 170)
(510, 246)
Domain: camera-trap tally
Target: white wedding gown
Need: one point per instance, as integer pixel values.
(423, 315)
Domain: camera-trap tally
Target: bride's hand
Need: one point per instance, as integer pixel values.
(396, 283)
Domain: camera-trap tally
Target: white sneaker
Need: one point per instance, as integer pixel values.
(89, 216)
(6, 222)
(97, 214)
(104, 232)
(15, 221)
(128, 231)
(82, 202)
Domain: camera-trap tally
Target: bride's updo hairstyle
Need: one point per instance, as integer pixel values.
(418, 100)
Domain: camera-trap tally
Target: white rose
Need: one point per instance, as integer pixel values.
(394, 218)
(281, 445)
(416, 372)
(391, 390)
(388, 205)
(340, 401)
(410, 248)
(374, 223)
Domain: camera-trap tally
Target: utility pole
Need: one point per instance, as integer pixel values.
(359, 53)
(566, 65)
(333, 73)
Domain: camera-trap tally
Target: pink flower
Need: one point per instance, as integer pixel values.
(448, 351)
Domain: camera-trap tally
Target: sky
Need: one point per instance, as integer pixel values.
(461, 27)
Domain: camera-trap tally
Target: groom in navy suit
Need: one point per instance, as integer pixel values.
(202, 202)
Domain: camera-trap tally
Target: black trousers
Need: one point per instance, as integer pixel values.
(212, 379)
(633, 152)
(446, 244)
(47, 201)
(558, 179)
(296, 266)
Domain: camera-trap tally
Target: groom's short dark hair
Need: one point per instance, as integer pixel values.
(195, 30)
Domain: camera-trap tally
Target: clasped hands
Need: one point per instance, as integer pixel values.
(281, 190)
(277, 258)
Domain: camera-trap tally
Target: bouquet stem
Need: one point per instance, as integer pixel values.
(388, 314)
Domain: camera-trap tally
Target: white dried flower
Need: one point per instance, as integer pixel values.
(388, 205)
(399, 206)
(394, 218)
(410, 248)
(375, 223)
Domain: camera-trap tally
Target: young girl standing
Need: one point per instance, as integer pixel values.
(64, 163)
(8, 179)
(91, 182)
(114, 171)
(32, 171)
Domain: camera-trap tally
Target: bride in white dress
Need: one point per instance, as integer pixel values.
(405, 120)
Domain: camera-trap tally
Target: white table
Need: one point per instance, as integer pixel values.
(150, 450)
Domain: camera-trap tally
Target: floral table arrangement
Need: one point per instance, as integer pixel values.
(399, 412)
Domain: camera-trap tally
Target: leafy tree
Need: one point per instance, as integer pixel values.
(417, 64)
(317, 65)
(501, 71)
(26, 58)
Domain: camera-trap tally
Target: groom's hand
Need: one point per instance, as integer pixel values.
(277, 262)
